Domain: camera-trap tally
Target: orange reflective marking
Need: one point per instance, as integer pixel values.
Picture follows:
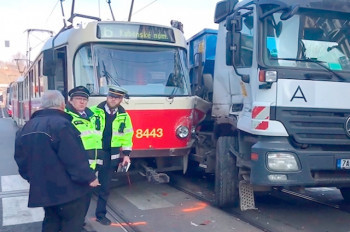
(199, 206)
(125, 224)
(128, 224)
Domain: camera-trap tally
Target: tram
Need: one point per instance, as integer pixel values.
(8, 104)
(149, 61)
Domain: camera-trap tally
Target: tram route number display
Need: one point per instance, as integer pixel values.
(135, 32)
(149, 133)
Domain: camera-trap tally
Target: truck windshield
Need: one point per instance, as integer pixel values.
(308, 36)
(142, 70)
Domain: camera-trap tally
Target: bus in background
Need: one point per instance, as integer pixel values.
(150, 61)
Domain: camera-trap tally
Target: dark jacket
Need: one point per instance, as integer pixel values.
(51, 157)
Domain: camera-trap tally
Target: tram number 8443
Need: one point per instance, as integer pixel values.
(147, 133)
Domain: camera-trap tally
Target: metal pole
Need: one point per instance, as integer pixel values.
(110, 8)
(64, 20)
(99, 9)
(131, 7)
(72, 11)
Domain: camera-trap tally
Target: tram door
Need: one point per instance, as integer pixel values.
(58, 81)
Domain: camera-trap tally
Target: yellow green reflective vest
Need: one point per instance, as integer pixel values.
(122, 130)
(90, 136)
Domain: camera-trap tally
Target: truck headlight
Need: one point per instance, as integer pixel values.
(182, 132)
(282, 161)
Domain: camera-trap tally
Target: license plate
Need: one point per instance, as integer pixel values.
(343, 163)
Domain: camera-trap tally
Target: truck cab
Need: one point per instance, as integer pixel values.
(281, 82)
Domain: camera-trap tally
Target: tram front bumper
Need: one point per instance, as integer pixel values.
(140, 153)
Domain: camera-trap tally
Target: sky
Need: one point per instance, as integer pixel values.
(17, 16)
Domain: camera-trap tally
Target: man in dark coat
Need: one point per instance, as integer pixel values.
(51, 157)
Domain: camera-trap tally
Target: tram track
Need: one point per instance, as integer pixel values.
(280, 210)
(267, 217)
(121, 219)
(205, 199)
(118, 218)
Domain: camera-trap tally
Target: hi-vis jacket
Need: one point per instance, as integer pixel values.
(89, 134)
(122, 130)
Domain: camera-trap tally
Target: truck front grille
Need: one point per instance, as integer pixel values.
(314, 126)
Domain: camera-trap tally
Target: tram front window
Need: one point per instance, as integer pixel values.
(143, 71)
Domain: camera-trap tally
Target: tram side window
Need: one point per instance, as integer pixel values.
(40, 82)
(59, 75)
(58, 82)
(31, 89)
(20, 91)
(36, 81)
(26, 87)
(15, 96)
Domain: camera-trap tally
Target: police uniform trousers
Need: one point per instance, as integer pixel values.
(67, 217)
(105, 173)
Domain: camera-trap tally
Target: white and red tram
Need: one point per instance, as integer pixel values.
(150, 61)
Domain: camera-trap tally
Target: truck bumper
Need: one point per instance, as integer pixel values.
(317, 167)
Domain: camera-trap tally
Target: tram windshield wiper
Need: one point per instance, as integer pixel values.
(171, 96)
(315, 61)
(109, 77)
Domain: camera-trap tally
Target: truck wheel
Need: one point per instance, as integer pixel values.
(226, 173)
(346, 193)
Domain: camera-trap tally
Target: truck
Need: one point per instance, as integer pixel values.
(279, 90)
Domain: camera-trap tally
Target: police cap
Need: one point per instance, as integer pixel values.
(79, 91)
(116, 91)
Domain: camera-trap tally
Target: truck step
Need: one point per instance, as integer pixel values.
(246, 195)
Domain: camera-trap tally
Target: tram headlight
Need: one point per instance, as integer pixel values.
(282, 161)
(182, 132)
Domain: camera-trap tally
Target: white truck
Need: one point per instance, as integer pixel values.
(280, 91)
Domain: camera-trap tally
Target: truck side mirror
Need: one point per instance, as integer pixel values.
(233, 48)
(49, 64)
(229, 48)
(237, 49)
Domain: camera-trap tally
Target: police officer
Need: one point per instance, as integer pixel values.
(116, 141)
(87, 124)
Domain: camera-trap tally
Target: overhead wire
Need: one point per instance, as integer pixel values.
(47, 19)
(144, 7)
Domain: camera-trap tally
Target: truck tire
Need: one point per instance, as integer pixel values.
(226, 174)
(346, 193)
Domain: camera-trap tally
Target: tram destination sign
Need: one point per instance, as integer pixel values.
(135, 32)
